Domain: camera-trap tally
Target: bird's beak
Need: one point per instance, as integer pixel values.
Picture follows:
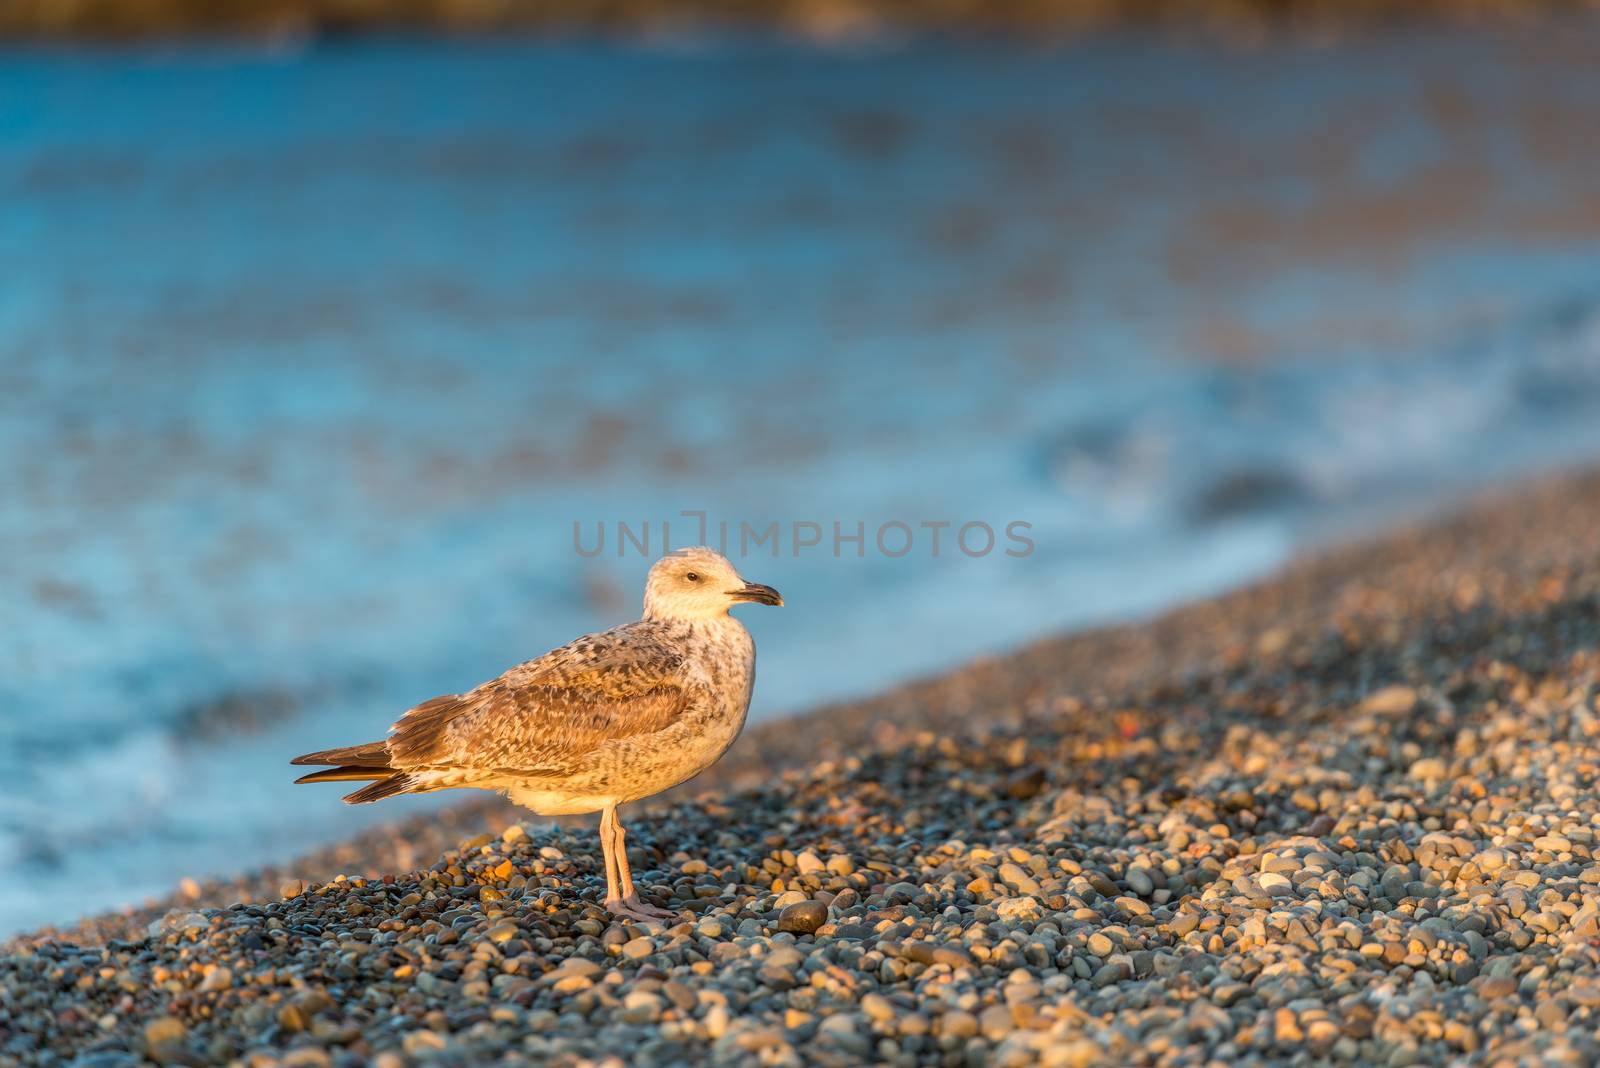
(754, 591)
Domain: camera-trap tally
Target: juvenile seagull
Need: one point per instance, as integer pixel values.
(607, 719)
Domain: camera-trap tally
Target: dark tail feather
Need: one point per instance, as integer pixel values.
(394, 784)
(366, 755)
(349, 773)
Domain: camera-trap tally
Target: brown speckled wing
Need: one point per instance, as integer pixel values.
(542, 717)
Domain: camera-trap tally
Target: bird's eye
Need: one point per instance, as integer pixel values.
(693, 576)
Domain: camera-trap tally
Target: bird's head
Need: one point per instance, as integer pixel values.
(699, 583)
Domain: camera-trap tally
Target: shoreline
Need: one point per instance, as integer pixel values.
(1348, 812)
(1100, 665)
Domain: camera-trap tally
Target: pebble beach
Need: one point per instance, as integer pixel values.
(1345, 816)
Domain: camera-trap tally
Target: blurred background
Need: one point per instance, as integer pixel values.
(314, 346)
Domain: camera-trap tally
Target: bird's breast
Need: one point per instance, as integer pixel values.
(717, 673)
(723, 671)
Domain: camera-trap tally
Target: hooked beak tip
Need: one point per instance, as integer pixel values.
(756, 593)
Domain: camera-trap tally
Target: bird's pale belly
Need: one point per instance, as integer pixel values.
(558, 802)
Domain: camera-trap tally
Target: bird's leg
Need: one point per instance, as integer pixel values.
(620, 837)
(608, 817)
(626, 905)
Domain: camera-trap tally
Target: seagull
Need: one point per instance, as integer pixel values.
(606, 719)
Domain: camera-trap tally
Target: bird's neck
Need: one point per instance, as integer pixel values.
(718, 629)
(712, 622)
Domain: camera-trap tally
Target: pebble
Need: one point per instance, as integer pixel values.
(642, 1006)
(1497, 986)
(1017, 879)
(803, 917)
(164, 1031)
(216, 979)
(1275, 884)
(637, 948)
(1391, 701)
(995, 1022)
(1018, 909)
(1113, 972)
(1229, 994)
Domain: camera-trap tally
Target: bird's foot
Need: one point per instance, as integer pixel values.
(631, 908)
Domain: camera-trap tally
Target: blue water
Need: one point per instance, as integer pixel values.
(311, 356)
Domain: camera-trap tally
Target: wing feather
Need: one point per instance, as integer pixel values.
(544, 716)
